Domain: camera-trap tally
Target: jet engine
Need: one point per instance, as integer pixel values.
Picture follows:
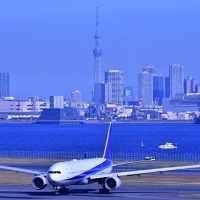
(112, 183)
(39, 182)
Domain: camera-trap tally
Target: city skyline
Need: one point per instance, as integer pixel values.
(46, 46)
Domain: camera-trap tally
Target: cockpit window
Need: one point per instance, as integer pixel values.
(54, 172)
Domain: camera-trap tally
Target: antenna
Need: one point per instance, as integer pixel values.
(97, 51)
(97, 20)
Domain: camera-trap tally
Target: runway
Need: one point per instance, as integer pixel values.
(181, 184)
(91, 192)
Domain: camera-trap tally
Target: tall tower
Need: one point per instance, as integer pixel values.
(97, 51)
(99, 86)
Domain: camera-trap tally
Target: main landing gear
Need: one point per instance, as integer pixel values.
(104, 191)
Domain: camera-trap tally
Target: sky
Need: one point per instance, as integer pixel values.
(46, 45)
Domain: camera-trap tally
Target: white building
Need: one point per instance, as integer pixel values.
(23, 105)
(115, 78)
(56, 101)
(145, 88)
(176, 77)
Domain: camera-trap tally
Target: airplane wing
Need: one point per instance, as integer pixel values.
(22, 170)
(125, 163)
(145, 171)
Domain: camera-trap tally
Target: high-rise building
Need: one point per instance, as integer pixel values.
(76, 96)
(108, 93)
(99, 97)
(167, 87)
(56, 102)
(128, 94)
(190, 85)
(176, 79)
(197, 88)
(158, 88)
(4, 85)
(150, 69)
(115, 78)
(145, 88)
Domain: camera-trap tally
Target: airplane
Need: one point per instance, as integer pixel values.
(86, 171)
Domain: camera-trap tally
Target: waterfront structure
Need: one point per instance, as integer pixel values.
(178, 106)
(23, 106)
(176, 80)
(115, 78)
(56, 102)
(4, 85)
(22, 109)
(58, 115)
(190, 85)
(145, 88)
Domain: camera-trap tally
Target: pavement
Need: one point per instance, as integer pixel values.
(91, 192)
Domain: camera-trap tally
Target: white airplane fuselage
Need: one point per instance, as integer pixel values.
(76, 172)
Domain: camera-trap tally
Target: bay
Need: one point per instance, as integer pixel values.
(125, 138)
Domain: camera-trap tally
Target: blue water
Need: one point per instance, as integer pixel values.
(91, 137)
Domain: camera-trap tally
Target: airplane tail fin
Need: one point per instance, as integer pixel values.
(106, 153)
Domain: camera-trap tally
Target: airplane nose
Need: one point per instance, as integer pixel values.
(52, 178)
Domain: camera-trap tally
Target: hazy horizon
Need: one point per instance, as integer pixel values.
(46, 45)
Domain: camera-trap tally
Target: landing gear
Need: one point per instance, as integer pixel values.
(104, 191)
(57, 193)
(64, 190)
(59, 190)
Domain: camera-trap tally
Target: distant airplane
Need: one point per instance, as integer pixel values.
(86, 171)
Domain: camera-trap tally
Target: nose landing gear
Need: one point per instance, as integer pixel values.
(57, 190)
(60, 190)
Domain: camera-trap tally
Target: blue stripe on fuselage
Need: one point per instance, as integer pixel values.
(96, 169)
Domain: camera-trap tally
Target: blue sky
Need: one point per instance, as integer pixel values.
(46, 45)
